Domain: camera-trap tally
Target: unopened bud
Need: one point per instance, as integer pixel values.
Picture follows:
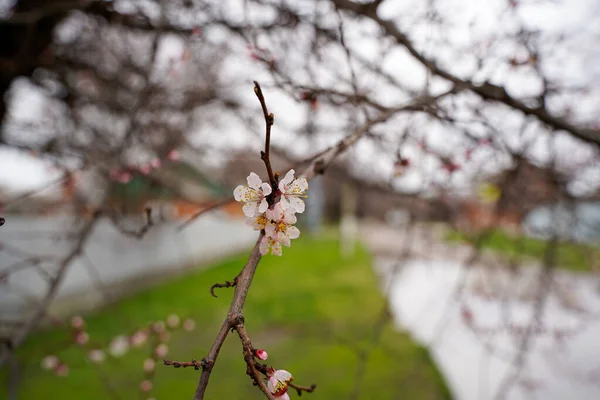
(261, 354)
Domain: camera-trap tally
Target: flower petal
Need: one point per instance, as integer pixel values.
(269, 214)
(238, 192)
(276, 249)
(297, 204)
(250, 209)
(264, 206)
(266, 189)
(284, 396)
(282, 375)
(278, 212)
(285, 204)
(283, 238)
(300, 185)
(289, 217)
(259, 222)
(270, 230)
(292, 232)
(254, 181)
(272, 383)
(289, 177)
(264, 246)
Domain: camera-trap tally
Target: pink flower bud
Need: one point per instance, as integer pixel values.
(96, 356)
(173, 155)
(138, 338)
(155, 163)
(124, 177)
(145, 169)
(118, 346)
(62, 370)
(161, 350)
(173, 321)
(189, 325)
(158, 327)
(149, 365)
(146, 386)
(77, 322)
(50, 362)
(261, 354)
(82, 338)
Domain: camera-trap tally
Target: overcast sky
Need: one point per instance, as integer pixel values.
(473, 22)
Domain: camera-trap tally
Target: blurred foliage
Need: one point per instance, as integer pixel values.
(571, 256)
(310, 309)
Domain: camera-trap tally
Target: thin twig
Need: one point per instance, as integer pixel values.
(140, 233)
(249, 358)
(300, 389)
(20, 336)
(204, 210)
(235, 312)
(227, 284)
(269, 120)
(184, 364)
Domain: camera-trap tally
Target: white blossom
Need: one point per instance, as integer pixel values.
(292, 190)
(280, 226)
(254, 195)
(278, 383)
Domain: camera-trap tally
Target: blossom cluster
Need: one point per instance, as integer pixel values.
(273, 210)
(119, 346)
(125, 175)
(277, 380)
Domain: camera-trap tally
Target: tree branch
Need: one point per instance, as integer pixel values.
(269, 120)
(486, 91)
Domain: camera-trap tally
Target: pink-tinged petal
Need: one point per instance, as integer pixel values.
(249, 209)
(254, 181)
(278, 212)
(276, 249)
(292, 232)
(283, 239)
(284, 201)
(282, 375)
(270, 230)
(264, 245)
(289, 177)
(297, 204)
(272, 384)
(284, 396)
(239, 192)
(289, 217)
(269, 214)
(251, 222)
(266, 189)
(264, 206)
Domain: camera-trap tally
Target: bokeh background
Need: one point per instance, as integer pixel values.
(450, 248)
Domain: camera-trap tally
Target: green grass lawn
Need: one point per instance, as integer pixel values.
(571, 256)
(311, 310)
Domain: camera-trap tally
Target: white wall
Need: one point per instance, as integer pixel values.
(120, 262)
